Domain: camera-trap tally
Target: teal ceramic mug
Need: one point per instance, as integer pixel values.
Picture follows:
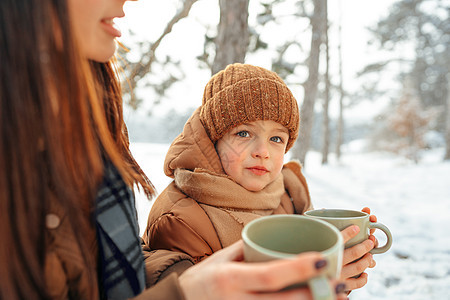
(284, 236)
(342, 218)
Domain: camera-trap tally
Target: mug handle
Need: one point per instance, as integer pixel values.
(388, 234)
(321, 288)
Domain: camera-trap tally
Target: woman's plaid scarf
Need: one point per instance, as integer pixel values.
(121, 261)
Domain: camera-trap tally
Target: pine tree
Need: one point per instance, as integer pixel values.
(423, 27)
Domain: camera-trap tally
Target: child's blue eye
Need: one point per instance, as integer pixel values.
(243, 133)
(276, 139)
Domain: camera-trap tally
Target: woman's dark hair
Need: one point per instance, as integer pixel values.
(60, 117)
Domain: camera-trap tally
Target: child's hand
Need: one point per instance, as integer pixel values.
(372, 218)
(356, 260)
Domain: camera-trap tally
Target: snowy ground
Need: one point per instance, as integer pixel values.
(412, 200)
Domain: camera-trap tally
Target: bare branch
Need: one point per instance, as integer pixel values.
(141, 68)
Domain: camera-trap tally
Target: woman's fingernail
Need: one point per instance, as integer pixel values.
(320, 264)
(340, 288)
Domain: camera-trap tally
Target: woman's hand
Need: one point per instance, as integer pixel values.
(225, 276)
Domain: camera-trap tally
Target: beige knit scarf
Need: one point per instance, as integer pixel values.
(228, 205)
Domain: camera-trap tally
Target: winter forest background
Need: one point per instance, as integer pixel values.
(396, 99)
(372, 79)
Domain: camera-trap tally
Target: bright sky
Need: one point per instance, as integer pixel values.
(148, 19)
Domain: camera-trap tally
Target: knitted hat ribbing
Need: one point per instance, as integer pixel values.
(244, 93)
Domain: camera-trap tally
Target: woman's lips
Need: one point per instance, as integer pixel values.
(259, 171)
(109, 27)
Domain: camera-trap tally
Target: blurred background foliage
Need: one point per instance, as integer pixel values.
(413, 38)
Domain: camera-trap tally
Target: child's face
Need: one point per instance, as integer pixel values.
(252, 154)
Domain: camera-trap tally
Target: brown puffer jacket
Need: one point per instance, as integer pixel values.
(193, 216)
(65, 269)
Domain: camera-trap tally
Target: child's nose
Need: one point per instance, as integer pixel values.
(260, 150)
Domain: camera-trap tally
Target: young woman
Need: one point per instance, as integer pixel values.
(68, 226)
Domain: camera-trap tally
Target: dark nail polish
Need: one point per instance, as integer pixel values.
(320, 264)
(340, 288)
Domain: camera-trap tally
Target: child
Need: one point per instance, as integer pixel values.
(228, 170)
(228, 164)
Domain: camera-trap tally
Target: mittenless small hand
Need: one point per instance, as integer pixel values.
(356, 260)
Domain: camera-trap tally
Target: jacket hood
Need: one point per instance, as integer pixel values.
(192, 149)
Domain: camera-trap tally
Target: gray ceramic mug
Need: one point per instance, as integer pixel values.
(284, 236)
(342, 218)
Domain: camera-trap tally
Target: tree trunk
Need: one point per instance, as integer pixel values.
(447, 124)
(340, 124)
(310, 86)
(326, 100)
(232, 34)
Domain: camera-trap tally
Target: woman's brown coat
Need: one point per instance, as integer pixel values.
(65, 268)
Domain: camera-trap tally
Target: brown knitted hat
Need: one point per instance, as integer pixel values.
(244, 93)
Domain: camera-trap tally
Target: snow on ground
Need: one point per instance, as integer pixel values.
(412, 200)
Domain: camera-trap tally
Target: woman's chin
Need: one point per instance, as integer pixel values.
(103, 54)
